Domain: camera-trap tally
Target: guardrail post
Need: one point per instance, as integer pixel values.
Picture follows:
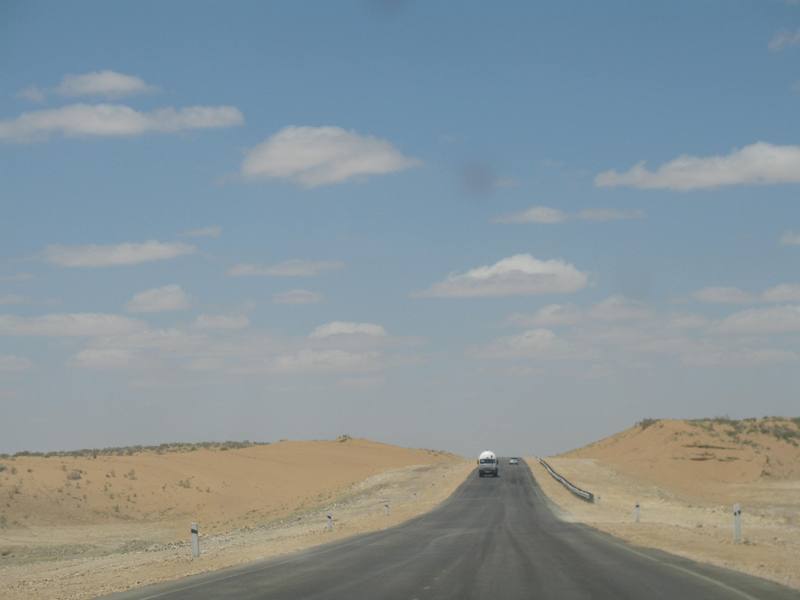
(737, 524)
(195, 541)
(636, 512)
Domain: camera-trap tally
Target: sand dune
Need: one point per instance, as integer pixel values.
(686, 475)
(75, 526)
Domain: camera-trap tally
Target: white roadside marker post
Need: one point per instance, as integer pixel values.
(636, 512)
(737, 524)
(195, 542)
(386, 509)
(329, 526)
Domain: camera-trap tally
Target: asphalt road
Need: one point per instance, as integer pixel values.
(494, 539)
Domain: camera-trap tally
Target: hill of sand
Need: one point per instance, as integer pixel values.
(75, 525)
(682, 454)
(686, 475)
(220, 488)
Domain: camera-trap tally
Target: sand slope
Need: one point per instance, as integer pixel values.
(686, 475)
(685, 453)
(76, 526)
(218, 488)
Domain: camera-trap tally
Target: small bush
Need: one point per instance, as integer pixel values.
(74, 475)
(2, 467)
(645, 423)
(185, 483)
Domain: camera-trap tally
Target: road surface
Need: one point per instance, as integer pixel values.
(494, 539)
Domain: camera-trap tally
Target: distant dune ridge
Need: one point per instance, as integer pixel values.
(721, 450)
(222, 485)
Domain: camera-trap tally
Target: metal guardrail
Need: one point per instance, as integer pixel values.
(582, 494)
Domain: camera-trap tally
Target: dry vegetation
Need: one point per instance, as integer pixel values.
(687, 475)
(87, 517)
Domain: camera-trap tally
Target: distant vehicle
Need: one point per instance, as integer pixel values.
(513, 461)
(487, 464)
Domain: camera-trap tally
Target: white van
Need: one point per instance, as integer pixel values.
(487, 464)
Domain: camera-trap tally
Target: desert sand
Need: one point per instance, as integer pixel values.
(686, 476)
(80, 526)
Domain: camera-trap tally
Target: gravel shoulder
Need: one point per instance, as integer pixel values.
(83, 561)
(695, 524)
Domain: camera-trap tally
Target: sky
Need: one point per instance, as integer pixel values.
(518, 226)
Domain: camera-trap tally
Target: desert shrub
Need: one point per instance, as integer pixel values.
(2, 467)
(74, 475)
(130, 475)
(645, 423)
(344, 438)
(185, 483)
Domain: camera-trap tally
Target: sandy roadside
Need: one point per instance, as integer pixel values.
(695, 525)
(409, 491)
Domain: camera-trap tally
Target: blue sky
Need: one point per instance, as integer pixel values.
(520, 227)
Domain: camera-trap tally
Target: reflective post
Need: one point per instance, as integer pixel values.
(195, 541)
(737, 524)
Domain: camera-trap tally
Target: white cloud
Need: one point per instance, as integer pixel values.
(784, 39)
(790, 239)
(289, 268)
(619, 308)
(613, 308)
(114, 120)
(551, 315)
(7, 299)
(620, 333)
(103, 358)
(549, 216)
(723, 295)
(609, 214)
(32, 94)
(315, 156)
(325, 361)
(297, 297)
(214, 231)
(360, 382)
(777, 319)
(166, 298)
(534, 343)
(221, 322)
(13, 364)
(535, 214)
(759, 163)
(16, 277)
(521, 274)
(94, 255)
(103, 83)
(347, 328)
(76, 324)
(785, 292)
(738, 357)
